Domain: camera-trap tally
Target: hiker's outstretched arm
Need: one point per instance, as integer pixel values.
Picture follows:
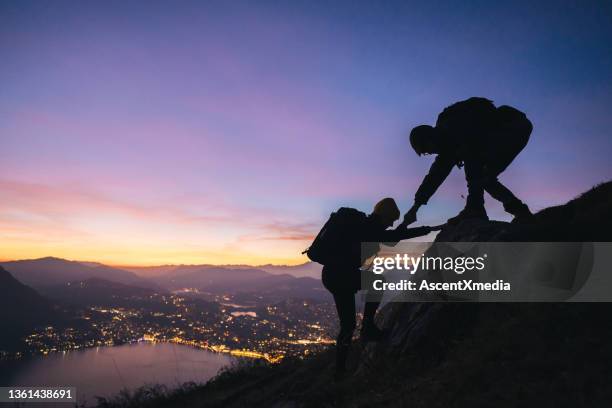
(438, 172)
(400, 233)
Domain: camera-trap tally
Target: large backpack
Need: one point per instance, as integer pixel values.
(472, 114)
(509, 116)
(339, 241)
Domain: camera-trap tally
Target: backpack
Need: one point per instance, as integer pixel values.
(339, 241)
(507, 115)
(473, 114)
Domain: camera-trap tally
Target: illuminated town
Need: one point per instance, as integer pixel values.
(292, 327)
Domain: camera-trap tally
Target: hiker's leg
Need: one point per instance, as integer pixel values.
(372, 297)
(474, 175)
(369, 311)
(369, 330)
(474, 205)
(512, 204)
(345, 305)
(516, 138)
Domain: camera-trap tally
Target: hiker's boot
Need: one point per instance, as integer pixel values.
(369, 332)
(521, 212)
(469, 213)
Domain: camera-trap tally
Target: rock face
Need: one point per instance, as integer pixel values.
(476, 231)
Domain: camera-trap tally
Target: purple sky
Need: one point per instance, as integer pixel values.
(154, 132)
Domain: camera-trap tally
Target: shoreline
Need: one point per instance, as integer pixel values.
(220, 349)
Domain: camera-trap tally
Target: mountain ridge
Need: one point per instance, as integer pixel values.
(306, 269)
(41, 272)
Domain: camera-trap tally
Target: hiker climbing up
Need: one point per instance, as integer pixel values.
(346, 240)
(483, 139)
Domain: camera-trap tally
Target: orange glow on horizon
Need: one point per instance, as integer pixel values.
(143, 257)
(85, 224)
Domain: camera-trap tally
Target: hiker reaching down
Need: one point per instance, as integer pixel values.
(484, 140)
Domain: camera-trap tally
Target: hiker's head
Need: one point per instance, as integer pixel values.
(387, 211)
(423, 139)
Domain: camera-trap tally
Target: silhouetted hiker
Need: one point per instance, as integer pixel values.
(482, 138)
(338, 247)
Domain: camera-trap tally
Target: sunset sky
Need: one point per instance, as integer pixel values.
(226, 132)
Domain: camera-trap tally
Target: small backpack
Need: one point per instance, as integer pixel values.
(339, 241)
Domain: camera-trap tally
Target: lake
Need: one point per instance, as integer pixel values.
(104, 371)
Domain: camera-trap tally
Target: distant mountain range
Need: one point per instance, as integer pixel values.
(78, 282)
(214, 279)
(50, 271)
(307, 269)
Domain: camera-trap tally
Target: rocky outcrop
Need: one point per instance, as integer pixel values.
(424, 333)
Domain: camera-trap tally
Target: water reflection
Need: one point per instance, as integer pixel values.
(103, 371)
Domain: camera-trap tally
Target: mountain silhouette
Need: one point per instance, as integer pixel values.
(43, 272)
(218, 279)
(21, 310)
(307, 269)
(455, 354)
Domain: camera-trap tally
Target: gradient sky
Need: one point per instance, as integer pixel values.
(226, 132)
